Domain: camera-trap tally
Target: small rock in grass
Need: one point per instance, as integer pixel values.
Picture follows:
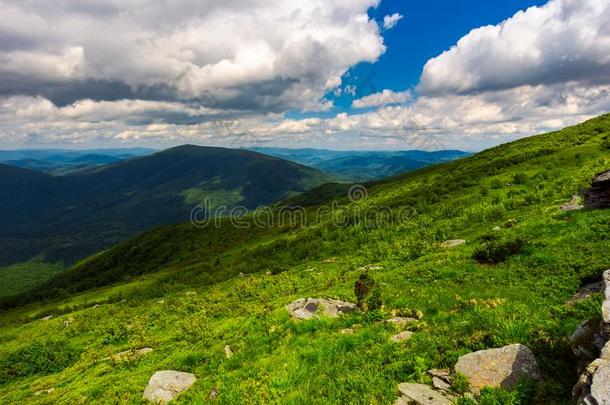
(452, 243)
(347, 331)
(268, 273)
(133, 354)
(401, 321)
(313, 308)
(166, 385)
(228, 352)
(47, 318)
(502, 367)
(402, 336)
(213, 394)
(47, 391)
(420, 394)
(574, 205)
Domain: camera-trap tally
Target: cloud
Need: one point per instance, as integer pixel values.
(390, 21)
(255, 55)
(385, 97)
(564, 40)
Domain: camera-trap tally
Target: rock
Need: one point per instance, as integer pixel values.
(441, 384)
(583, 339)
(501, 367)
(313, 308)
(268, 273)
(228, 352)
(574, 205)
(585, 292)
(600, 384)
(213, 394)
(47, 391)
(452, 243)
(47, 318)
(347, 331)
(420, 394)
(496, 229)
(598, 196)
(130, 355)
(166, 385)
(401, 321)
(402, 336)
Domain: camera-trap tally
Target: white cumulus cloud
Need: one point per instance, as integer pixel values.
(385, 97)
(390, 21)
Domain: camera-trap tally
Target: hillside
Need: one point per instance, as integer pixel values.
(65, 218)
(188, 292)
(364, 165)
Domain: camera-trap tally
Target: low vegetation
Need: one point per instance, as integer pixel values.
(178, 290)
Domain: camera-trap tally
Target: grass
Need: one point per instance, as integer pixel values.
(18, 278)
(178, 290)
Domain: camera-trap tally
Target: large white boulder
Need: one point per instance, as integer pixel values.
(166, 385)
(502, 367)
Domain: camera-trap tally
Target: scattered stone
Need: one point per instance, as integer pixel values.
(584, 341)
(448, 244)
(47, 391)
(501, 367)
(68, 322)
(600, 384)
(242, 275)
(401, 321)
(402, 336)
(131, 355)
(96, 306)
(313, 308)
(268, 273)
(47, 318)
(228, 352)
(441, 384)
(347, 331)
(598, 196)
(166, 385)
(585, 292)
(161, 302)
(420, 394)
(213, 394)
(574, 205)
(497, 229)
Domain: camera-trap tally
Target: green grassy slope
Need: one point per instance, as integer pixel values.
(181, 294)
(18, 278)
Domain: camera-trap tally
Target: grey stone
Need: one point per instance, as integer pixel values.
(574, 205)
(501, 367)
(166, 385)
(420, 394)
(402, 336)
(452, 243)
(314, 308)
(600, 384)
(228, 352)
(401, 321)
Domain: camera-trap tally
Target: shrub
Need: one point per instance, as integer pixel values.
(367, 293)
(42, 357)
(494, 250)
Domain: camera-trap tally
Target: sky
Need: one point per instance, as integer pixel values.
(341, 74)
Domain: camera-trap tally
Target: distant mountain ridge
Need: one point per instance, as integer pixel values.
(364, 165)
(68, 217)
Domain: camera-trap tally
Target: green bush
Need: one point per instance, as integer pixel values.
(42, 357)
(494, 250)
(367, 293)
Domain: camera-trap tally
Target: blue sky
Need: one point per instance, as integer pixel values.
(302, 73)
(426, 30)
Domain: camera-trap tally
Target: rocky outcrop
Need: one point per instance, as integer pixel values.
(314, 308)
(402, 336)
(166, 385)
(420, 394)
(598, 196)
(502, 367)
(593, 387)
